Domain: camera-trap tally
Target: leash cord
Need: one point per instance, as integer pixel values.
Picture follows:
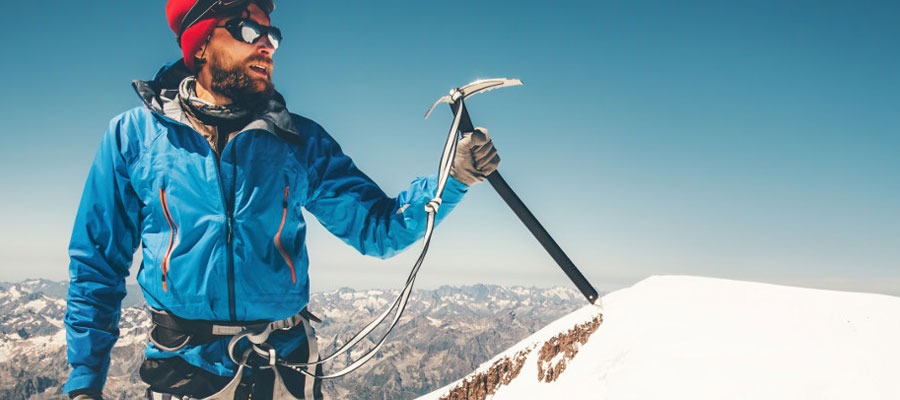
(401, 301)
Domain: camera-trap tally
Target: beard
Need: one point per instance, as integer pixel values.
(234, 82)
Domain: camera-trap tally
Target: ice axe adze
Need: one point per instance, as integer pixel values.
(457, 105)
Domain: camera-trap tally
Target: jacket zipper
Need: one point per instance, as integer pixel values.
(229, 224)
(229, 234)
(229, 239)
(277, 239)
(173, 228)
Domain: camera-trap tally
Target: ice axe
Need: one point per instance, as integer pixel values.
(456, 99)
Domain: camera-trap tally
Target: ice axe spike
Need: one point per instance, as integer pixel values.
(456, 99)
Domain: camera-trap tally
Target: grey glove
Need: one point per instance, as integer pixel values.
(476, 157)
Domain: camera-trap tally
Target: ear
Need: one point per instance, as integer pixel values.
(200, 56)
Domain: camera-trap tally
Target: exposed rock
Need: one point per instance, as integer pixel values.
(479, 386)
(550, 364)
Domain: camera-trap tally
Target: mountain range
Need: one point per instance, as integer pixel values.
(443, 335)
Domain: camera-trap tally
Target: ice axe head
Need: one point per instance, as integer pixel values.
(481, 85)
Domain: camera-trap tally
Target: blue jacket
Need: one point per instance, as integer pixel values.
(222, 238)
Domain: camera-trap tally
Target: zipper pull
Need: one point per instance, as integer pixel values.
(229, 228)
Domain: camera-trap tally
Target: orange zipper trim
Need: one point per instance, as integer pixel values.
(277, 240)
(174, 229)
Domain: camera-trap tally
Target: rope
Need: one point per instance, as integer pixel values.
(401, 301)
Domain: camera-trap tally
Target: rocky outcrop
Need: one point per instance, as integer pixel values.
(482, 384)
(552, 358)
(557, 351)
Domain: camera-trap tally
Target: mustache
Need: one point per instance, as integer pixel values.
(258, 59)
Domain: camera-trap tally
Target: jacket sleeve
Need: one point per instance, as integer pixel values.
(103, 241)
(352, 207)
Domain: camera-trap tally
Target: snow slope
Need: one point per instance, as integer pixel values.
(677, 337)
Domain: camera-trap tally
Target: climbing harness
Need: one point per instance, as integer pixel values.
(258, 348)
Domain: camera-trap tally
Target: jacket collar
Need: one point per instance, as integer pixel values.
(160, 96)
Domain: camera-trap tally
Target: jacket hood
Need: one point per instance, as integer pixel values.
(160, 96)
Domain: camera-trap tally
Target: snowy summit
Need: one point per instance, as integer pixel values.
(676, 337)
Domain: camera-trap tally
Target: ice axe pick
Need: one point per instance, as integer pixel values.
(456, 99)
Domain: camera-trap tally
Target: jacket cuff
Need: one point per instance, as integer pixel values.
(90, 393)
(84, 377)
(454, 191)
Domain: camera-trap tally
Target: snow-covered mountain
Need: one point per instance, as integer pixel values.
(675, 337)
(444, 334)
(33, 341)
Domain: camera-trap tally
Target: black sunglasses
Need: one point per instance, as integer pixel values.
(249, 31)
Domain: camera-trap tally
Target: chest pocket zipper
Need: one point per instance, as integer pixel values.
(277, 239)
(173, 228)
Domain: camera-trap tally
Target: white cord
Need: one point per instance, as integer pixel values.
(400, 303)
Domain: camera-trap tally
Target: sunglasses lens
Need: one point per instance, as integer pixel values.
(274, 37)
(250, 32)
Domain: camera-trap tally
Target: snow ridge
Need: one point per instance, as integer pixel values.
(679, 337)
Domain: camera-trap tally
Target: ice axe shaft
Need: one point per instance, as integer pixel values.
(519, 208)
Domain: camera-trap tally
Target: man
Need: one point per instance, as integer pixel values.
(209, 176)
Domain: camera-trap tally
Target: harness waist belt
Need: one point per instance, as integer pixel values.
(171, 332)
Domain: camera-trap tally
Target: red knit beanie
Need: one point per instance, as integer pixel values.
(193, 37)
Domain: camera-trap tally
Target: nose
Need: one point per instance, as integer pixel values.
(264, 46)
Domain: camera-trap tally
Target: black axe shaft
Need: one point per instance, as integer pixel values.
(519, 208)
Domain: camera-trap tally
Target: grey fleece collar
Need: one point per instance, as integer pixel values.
(187, 93)
(161, 96)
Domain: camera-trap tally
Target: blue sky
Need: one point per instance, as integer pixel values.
(747, 140)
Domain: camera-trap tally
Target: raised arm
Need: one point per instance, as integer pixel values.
(352, 207)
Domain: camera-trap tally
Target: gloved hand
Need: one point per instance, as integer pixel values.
(476, 157)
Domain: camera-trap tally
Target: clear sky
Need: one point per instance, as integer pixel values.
(755, 140)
